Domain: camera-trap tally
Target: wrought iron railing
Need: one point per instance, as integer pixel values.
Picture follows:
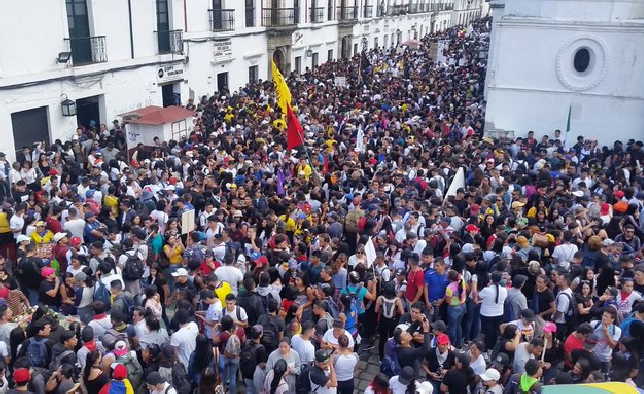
(275, 17)
(418, 8)
(380, 11)
(87, 50)
(347, 13)
(367, 11)
(316, 15)
(170, 41)
(398, 9)
(222, 19)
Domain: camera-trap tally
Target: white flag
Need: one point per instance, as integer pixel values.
(360, 141)
(370, 252)
(457, 183)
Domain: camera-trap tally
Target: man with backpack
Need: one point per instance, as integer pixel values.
(253, 356)
(273, 327)
(122, 301)
(37, 349)
(564, 306)
(319, 377)
(132, 265)
(252, 302)
(527, 382)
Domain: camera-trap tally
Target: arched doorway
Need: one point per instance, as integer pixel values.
(280, 60)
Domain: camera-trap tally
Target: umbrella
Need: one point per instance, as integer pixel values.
(591, 388)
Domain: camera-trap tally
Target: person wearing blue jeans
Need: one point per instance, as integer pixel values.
(230, 367)
(455, 315)
(472, 320)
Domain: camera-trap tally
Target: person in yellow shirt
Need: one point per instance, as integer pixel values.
(173, 250)
(111, 201)
(303, 169)
(41, 235)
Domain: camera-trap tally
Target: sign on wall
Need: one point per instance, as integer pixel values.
(223, 50)
(170, 72)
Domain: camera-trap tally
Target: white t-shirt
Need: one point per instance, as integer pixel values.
(489, 306)
(185, 340)
(16, 223)
(562, 303)
(213, 313)
(604, 352)
(230, 274)
(304, 348)
(478, 366)
(345, 364)
(396, 387)
(329, 338)
(521, 356)
(564, 254)
(242, 313)
(75, 227)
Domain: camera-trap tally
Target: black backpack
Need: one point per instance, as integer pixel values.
(248, 358)
(270, 335)
(303, 384)
(180, 380)
(134, 267)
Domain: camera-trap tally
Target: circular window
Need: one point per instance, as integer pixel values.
(581, 60)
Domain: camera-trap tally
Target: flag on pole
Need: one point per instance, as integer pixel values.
(282, 92)
(370, 252)
(457, 183)
(568, 125)
(294, 132)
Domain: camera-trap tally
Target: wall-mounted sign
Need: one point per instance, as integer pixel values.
(297, 37)
(223, 50)
(170, 72)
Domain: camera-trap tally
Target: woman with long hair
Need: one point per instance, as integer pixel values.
(93, 377)
(274, 383)
(460, 377)
(455, 297)
(584, 302)
(388, 307)
(492, 300)
(201, 358)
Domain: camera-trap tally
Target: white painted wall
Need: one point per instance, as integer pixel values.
(531, 81)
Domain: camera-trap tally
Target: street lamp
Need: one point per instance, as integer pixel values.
(68, 106)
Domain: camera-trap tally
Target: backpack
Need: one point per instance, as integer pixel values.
(388, 308)
(248, 359)
(134, 267)
(128, 305)
(332, 307)
(134, 369)
(270, 334)
(180, 380)
(37, 352)
(101, 293)
(355, 304)
(351, 220)
(508, 310)
(195, 253)
(303, 384)
(58, 359)
(390, 365)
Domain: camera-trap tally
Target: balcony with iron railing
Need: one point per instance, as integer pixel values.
(170, 41)
(347, 13)
(221, 19)
(418, 8)
(380, 11)
(367, 11)
(316, 15)
(398, 9)
(87, 50)
(278, 17)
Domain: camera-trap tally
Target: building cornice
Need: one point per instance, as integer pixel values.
(543, 23)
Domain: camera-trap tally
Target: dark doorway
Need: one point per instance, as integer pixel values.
(30, 126)
(222, 83)
(87, 112)
(167, 94)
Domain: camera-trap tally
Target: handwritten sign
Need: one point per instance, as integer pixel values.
(187, 221)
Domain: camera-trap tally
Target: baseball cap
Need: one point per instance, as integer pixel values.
(406, 375)
(119, 371)
(120, 348)
(46, 271)
(490, 374)
(442, 339)
(322, 355)
(528, 314)
(75, 241)
(154, 378)
(22, 237)
(180, 272)
(21, 375)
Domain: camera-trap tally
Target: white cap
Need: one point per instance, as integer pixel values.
(490, 374)
(578, 193)
(22, 237)
(180, 272)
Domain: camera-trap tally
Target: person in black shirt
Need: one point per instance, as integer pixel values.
(409, 355)
(458, 379)
(49, 290)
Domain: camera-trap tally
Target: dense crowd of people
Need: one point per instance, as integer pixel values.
(224, 261)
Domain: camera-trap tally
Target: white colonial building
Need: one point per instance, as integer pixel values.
(549, 58)
(106, 58)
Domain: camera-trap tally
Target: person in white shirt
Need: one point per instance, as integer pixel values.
(17, 221)
(477, 361)
(399, 383)
(301, 343)
(492, 299)
(212, 315)
(74, 224)
(229, 273)
(330, 338)
(157, 384)
(185, 339)
(236, 312)
(564, 253)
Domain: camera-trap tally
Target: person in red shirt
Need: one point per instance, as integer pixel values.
(415, 281)
(576, 341)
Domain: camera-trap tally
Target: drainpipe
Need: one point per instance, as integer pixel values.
(129, 14)
(185, 16)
